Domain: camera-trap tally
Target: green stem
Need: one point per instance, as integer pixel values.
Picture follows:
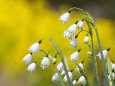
(61, 81)
(83, 73)
(62, 59)
(59, 75)
(94, 57)
(102, 57)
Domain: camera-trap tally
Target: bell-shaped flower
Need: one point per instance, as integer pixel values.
(72, 29)
(74, 56)
(55, 78)
(63, 72)
(67, 34)
(74, 42)
(35, 48)
(74, 82)
(82, 80)
(65, 17)
(31, 67)
(45, 63)
(77, 68)
(60, 67)
(80, 25)
(86, 39)
(70, 76)
(27, 58)
(104, 54)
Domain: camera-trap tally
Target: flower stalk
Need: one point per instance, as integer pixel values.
(62, 59)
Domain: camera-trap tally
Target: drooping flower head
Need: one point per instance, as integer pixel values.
(65, 17)
(89, 53)
(77, 68)
(74, 82)
(31, 67)
(70, 76)
(80, 25)
(35, 48)
(27, 58)
(63, 72)
(72, 29)
(82, 80)
(74, 42)
(45, 63)
(60, 66)
(67, 34)
(105, 52)
(55, 78)
(75, 56)
(86, 39)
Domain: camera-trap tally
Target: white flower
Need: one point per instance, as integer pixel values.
(82, 80)
(77, 68)
(80, 24)
(67, 34)
(35, 48)
(63, 72)
(27, 58)
(113, 75)
(70, 76)
(60, 67)
(45, 63)
(74, 56)
(31, 67)
(55, 78)
(86, 39)
(74, 42)
(89, 53)
(72, 29)
(104, 54)
(65, 17)
(74, 82)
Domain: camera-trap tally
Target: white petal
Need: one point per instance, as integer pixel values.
(45, 63)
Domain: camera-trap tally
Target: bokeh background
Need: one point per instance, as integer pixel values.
(24, 22)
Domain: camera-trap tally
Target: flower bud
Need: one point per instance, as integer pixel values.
(74, 82)
(89, 53)
(54, 60)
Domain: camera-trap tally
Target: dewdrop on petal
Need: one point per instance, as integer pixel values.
(60, 67)
(70, 77)
(80, 25)
(67, 34)
(74, 82)
(31, 67)
(35, 48)
(45, 63)
(27, 58)
(55, 78)
(65, 17)
(86, 40)
(74, 42)
(82, 80)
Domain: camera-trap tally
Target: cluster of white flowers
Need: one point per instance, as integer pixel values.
(71, 31)
(45, 63)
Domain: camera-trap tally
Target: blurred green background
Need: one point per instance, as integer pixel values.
(24, 22)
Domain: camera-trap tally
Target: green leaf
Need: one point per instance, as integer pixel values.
(109, 66)
(96, 82)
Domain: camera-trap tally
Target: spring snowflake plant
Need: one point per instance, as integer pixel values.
(61, 68)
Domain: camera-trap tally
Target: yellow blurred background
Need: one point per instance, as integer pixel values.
(23, 23)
